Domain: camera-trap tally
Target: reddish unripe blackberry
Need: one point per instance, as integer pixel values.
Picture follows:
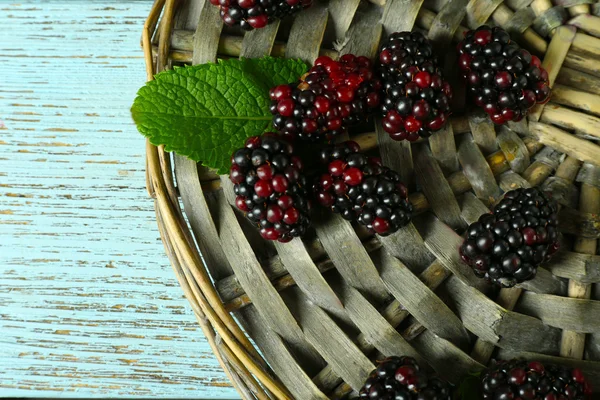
(416, 99)
(270, 187)
(503, 79)
(332, 96)
(519, 379)
(401, 378)
(507, 246)
(360, 188)
(256, 14)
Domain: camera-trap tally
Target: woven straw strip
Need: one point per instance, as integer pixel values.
(483, 131)
(307, 34)
(280, 357)
(517, 4)
(399, 15)
(341, 13)
(478, 11)
(407, 246)
(551, 19)
(477, 170)
(436, 188)
(349, 256)
(587, 23)
(514, 150)
(420, 301)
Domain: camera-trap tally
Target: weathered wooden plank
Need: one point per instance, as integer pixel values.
(446, 22)
(90, 305)
(584, 268)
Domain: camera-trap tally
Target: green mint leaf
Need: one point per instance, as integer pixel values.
(206, 112)
(469, 388)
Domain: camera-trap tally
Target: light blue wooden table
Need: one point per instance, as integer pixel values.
(89, 306)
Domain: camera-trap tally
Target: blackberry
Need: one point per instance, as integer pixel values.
(360, 189)
(401, 378)
(270, 187)
(518, 379)
(503, 79)
(416, 99)
(332, 96)
(507, 246)
(255, 14)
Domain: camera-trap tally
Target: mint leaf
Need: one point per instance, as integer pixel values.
(207, 111)
(469, 388)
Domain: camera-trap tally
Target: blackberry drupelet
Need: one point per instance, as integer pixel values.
(416, 99)
(503, 79)
(332, 96)
(270, 187)
(360, 189)
(254, 14)
(400, 378)
(507, 246)
(518, 379)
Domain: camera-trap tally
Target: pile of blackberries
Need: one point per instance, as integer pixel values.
(401, 378)
(507, 246)
(518, 379)
(255, 14)
(416, 99)
(271, 188)
(360, 188)
(332, 96)
(503, 79)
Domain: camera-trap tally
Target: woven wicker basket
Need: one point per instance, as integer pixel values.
(322, 309)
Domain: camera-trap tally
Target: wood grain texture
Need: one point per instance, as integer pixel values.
(88, 302)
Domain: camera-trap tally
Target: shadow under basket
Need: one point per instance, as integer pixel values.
(308, 319)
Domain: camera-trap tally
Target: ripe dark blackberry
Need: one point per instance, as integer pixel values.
(503, 79)
(416, 99)
(508, 245)
(360, 189)
(270, 187)
(518, 379)
(401, 378)
(331, 96)
(255, 14)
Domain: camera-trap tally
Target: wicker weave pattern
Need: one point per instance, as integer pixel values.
(323, 308)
